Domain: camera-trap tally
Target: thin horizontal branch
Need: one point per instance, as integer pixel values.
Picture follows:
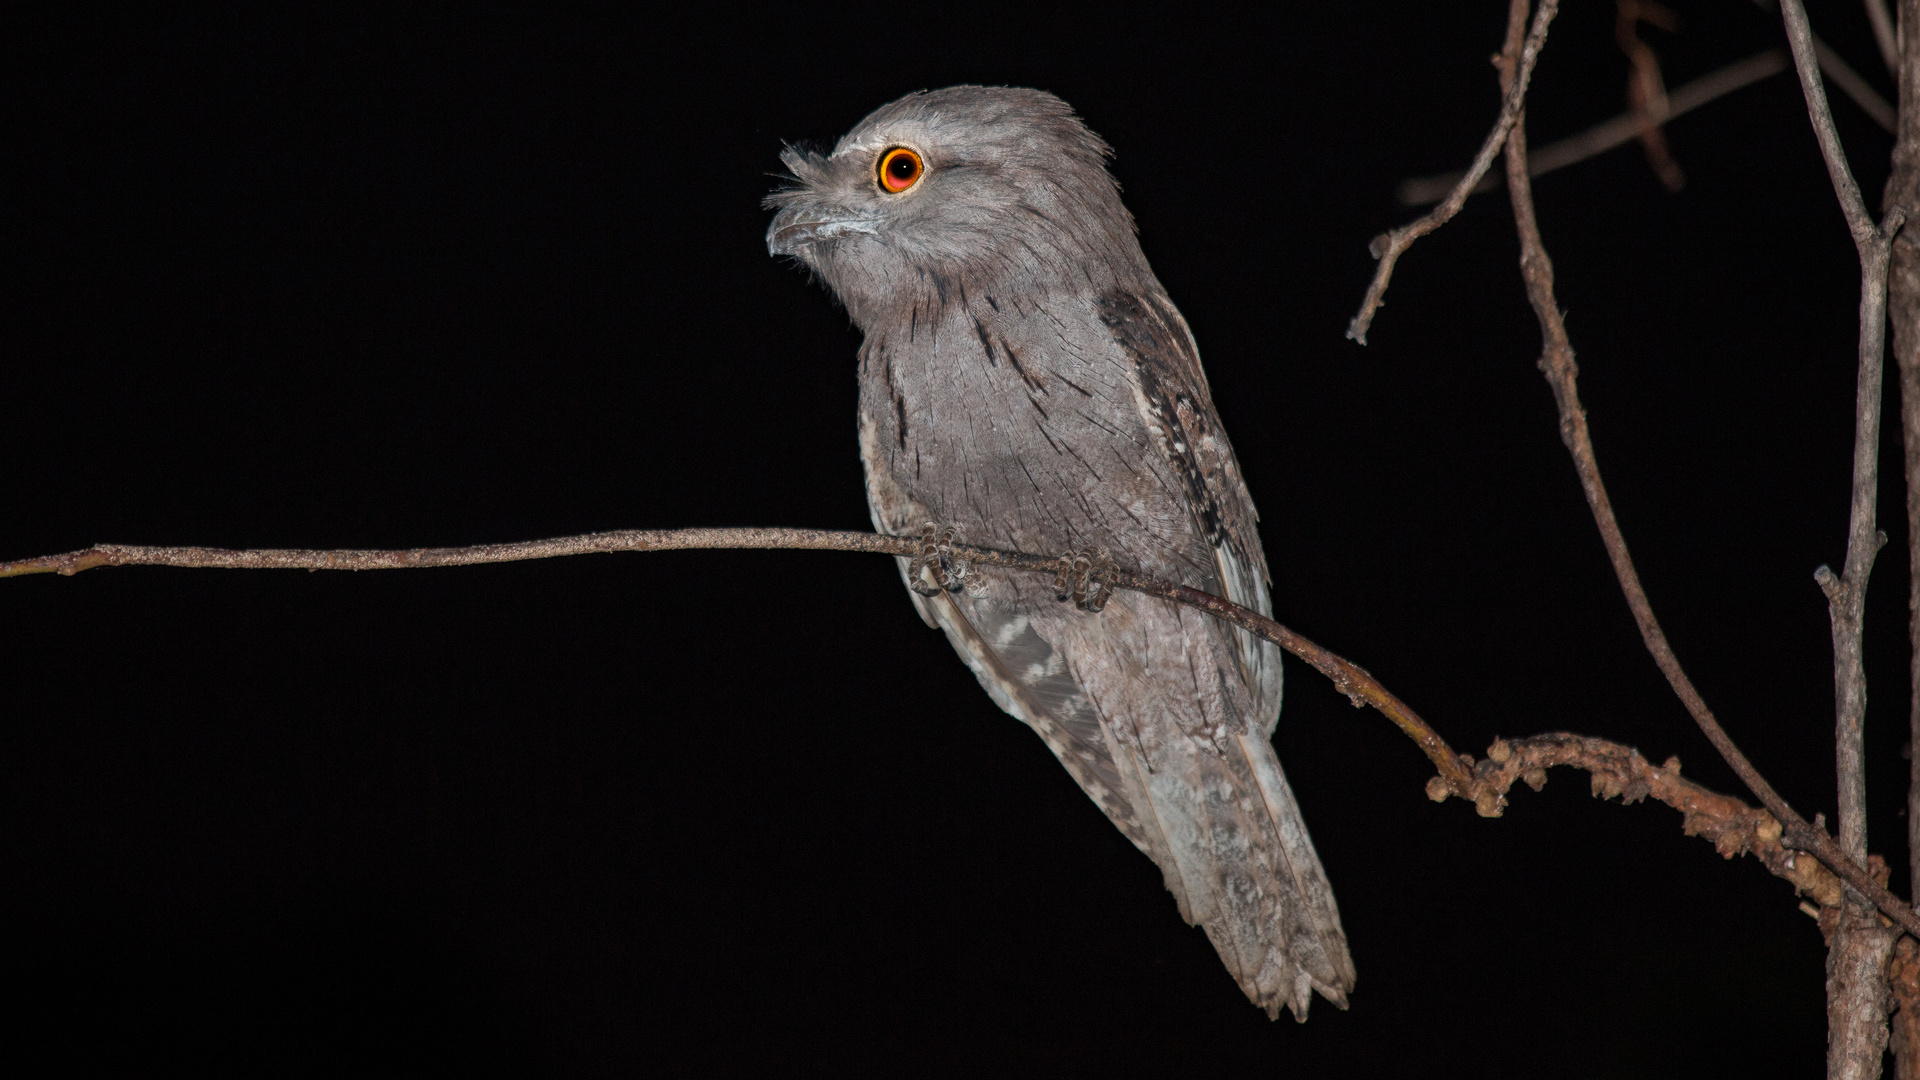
(1388, 246)
(99, 555)
(1458, 774)
(1351, 679)
(1618, 131)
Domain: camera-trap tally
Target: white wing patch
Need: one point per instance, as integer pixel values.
(1026, 677)
(1259, 658)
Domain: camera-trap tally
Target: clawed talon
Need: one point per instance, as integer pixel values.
(935, 570)
(1085, 578)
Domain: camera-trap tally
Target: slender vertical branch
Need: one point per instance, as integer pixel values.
(1557, 362)
(1860, 946)
(1846, 594)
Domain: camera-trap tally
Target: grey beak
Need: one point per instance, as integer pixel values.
(788, 237)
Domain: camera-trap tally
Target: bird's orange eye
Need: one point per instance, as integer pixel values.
(900, 169)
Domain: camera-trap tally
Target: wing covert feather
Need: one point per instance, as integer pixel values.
(1176, 404)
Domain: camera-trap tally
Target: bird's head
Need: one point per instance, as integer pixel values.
(967, 188)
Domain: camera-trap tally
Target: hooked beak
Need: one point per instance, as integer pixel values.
(787, 236)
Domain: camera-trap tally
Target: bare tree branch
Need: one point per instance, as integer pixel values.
(1388, 246)
(1733, 827)
(1847, 593)
(1457, 771)
(1557, 361)
(1351, 679)
(1858, 952)
(74, 562)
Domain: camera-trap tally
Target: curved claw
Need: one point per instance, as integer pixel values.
(935, 570)
(1085, 579)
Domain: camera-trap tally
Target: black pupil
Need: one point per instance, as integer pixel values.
(901, 166)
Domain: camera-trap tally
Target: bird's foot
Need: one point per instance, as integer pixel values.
(1085, 579)
(935, 570)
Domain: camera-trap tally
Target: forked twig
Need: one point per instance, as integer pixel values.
(1858, 951)
(1846, 594)
(1388, 246)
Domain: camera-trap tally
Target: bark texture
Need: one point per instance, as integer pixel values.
(1903, 310)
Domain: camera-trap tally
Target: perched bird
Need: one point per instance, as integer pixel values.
(1025, 381)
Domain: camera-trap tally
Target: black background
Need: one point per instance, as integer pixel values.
(411, 276)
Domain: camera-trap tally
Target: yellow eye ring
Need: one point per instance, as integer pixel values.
(899, 169)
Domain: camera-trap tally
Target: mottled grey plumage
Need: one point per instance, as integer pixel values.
(1026, 379)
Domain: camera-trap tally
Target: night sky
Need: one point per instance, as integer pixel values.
(297, 278)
